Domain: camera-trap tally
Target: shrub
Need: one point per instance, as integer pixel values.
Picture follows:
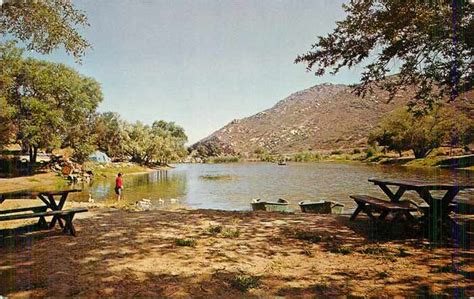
(336, 152)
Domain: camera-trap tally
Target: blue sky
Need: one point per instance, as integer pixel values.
(201, 63)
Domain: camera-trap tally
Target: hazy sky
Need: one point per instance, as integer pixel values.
(201, 63)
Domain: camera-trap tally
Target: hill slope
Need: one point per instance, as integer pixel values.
(322, 117)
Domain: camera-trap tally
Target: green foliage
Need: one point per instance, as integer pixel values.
(222, 159)
(416, 34)
(45, 25)
(214, 229)
(231, 233)
(160, 143)
(46, 104)
(403, 130)
(306, 156)
(186, 242)
(370, 152)
(111, 134)
(245, 282)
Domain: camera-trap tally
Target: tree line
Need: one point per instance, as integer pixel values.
(46, 105)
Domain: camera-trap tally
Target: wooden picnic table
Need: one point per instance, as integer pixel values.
(438, 210)
(47, 197)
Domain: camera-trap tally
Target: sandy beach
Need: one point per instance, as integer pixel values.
(210, 253)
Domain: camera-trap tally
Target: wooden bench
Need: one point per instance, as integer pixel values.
(36, 209)
(367, 204)
(66, 215)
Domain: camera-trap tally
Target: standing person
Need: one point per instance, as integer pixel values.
(118, 185)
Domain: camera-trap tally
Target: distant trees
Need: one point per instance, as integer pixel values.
(402, 130)
(160, 143)
(44, 104)
(44, 25)
(432, 41)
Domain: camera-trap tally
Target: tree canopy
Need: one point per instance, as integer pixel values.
(432, 41)
(443, 125)
(45, 25)
(45, 104)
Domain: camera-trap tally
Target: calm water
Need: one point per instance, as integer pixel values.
(232, 186)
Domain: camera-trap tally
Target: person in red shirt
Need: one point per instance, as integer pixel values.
(118, 185)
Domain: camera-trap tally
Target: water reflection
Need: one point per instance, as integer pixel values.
(232, 186)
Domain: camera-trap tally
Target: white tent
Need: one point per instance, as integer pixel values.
(99, 157)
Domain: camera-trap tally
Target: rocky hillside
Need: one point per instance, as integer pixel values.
(323, 117)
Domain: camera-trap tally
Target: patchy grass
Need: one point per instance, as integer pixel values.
(215, 229)
(245, 282)
(186, 242)
(231, 233)
(344, 250)
(378, 251)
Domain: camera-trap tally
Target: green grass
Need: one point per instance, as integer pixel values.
(244, 282)
(215, 229)
(186, 242)
(223, 159)
(113, 169)
(231, 233)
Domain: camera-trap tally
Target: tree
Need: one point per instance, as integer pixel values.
(44, 25)
(111, 134)
(402, 130)
(160, 143)
(46, 104)
(432, 40)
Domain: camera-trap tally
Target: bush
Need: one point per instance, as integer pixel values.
(336, 152)
(369, 152)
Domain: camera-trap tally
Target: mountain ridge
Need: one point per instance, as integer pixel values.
(322, 117)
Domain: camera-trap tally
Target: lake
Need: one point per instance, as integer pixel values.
(232, 186)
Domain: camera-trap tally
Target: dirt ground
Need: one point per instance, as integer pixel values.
(207, 253)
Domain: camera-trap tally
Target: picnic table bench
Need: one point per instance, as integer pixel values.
(367, 204)
(66, 215)
(48, 198)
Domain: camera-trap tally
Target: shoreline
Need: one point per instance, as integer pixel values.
(50, 178)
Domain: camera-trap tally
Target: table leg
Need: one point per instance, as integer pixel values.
(393, 197)
(55, 207)
(438, 214)
(360, 207)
